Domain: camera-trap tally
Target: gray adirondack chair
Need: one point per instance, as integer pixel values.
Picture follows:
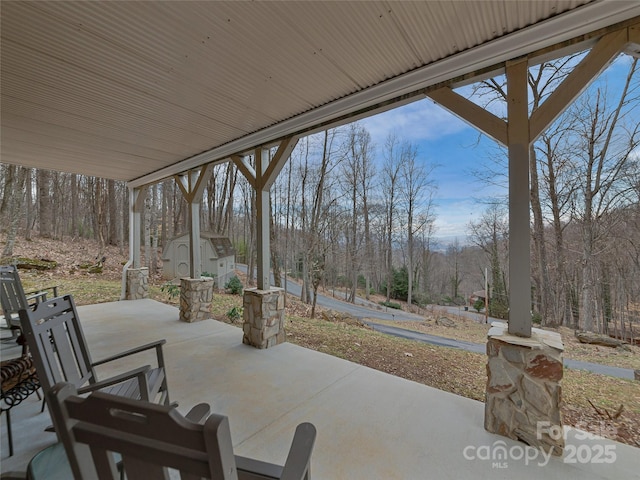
(13, 297)
(60, 353)
(150, 439)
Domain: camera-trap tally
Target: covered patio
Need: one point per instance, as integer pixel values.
(370, 424)
(147, 91)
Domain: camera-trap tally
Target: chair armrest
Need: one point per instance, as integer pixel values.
(298, 461)
(252, 469)
(199, 413)
(139, 373)
(13, 476)
(157, 345)
(295, 468)
(37, 295)
(40, 295)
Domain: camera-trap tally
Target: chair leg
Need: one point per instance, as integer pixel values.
(9, 435)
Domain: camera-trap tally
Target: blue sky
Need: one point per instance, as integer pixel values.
(449, 143)
(457, 149)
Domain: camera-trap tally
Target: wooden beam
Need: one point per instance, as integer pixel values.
(245, 168)
(519, 233)
(634, 34)
(471, 113)
(138, 198)
(192, 186)
(193, 182)
(605, 50)
(277, 163)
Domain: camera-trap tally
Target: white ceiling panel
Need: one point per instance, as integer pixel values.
(137, 90)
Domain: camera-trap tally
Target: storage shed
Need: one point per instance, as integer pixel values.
(217, 254)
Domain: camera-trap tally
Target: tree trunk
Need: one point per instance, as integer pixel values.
(74, 205)
(541, 272)
(112, 202)
(14, 206)
(275, 258)
(100, 216)
(44, 203)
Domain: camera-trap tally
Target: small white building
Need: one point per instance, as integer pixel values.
(217, 255)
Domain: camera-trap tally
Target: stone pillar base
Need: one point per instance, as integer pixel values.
(196, 295)
(137, 283)
(263, 317)
(523, 387)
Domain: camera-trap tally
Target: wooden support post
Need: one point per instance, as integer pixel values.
(519, 234)
(192, 186)
(136, 206)
(263, 212)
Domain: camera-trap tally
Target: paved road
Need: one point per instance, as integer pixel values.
(363, 309)
(370, 311)
(481, 348)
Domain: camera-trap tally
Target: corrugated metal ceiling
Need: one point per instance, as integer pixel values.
(122, 89)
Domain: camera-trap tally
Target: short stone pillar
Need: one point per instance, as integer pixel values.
(137, 283)
(196, 295)
(263, 317)
(523, 387)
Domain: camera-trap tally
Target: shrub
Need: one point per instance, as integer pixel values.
(478, 305)
(171, 289)
(235, 314)
(498, 309)
(391, 305)
(233, 286)
(536, 318)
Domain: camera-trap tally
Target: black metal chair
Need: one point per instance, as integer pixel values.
(19, 380)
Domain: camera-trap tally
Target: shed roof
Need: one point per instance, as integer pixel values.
(139, 91)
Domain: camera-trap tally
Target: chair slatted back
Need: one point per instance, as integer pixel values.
(12, 296)
(150, 438)
(57, 343)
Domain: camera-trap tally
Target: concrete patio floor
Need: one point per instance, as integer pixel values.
(370, 424)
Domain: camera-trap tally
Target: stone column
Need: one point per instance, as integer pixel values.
(523, 387)
(196, 295)
(263, 317)
(137, 283)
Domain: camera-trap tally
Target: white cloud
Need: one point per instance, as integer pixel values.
(453, 216)
(418, 121)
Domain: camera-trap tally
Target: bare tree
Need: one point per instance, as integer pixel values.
(606, 142)
(45, 205)
(390, 179)
(490, 233)
(417, 190)
(14, 193)
(357, 174)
